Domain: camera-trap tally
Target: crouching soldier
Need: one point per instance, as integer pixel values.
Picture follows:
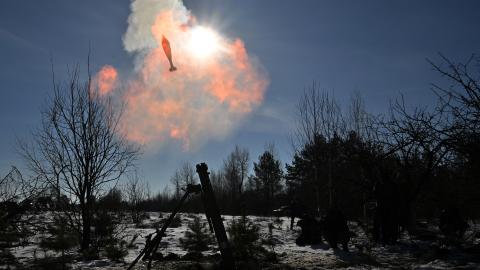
(335, 229)
(311, 231)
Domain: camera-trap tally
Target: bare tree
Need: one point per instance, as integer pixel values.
(426, 139)
(136, 191)
(410, 136)
(13, 188)
(462, 98)
(319, 117)
(176, 181)
(188, 175)
(16, 195)
(235, 169)
(218, 182)
(317, 114)
(360, 121)
(79, 147)
(182, 177)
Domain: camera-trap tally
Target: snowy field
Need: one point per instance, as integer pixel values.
(407, 254)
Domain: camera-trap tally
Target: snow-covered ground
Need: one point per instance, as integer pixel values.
(407, 254)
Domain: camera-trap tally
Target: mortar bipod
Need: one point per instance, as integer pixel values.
(213, 217)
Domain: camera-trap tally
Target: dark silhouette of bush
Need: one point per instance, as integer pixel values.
(197, 237)
(106, 238)
(176, 222)
(112, 201)
(116, 250)
(90, 253)
(245, 239)
(7, 258)
(62, 237)
(271, 241)
(104, 225)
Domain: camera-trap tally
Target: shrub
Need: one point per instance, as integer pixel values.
(12, 230)
(244, 238)
(62, 238)
(197, 237)
(106, 236)
(131, 243)
(90, 254)
(278, 222)
(7, 258)
(116, 250)
(176, 222)
(271, 241)
(104, 225)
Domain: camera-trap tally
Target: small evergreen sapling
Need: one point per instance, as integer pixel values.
(116, 250)
(244, 238)
(62, 237)
(197, 237)
(271, 241)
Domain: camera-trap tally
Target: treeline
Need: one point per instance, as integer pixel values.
(419, 161)
(236, 190)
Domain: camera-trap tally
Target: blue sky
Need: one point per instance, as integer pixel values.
(377, 48)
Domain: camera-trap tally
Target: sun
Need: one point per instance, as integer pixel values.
(204, 42)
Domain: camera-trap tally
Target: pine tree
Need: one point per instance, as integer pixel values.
(116, 250)
(197, 237)
(62, 236)
(245, 239)
(268, 177)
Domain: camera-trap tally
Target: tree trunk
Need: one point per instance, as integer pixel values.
(86, 224)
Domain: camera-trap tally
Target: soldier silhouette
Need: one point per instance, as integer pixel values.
(386, 223)
(335, 228)
(452, 223)
(311, 231)
(294, 212)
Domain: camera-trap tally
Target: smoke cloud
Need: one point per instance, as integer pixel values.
(106, 79)
(205, 99)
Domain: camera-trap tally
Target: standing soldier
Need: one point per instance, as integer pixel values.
(387, 228)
